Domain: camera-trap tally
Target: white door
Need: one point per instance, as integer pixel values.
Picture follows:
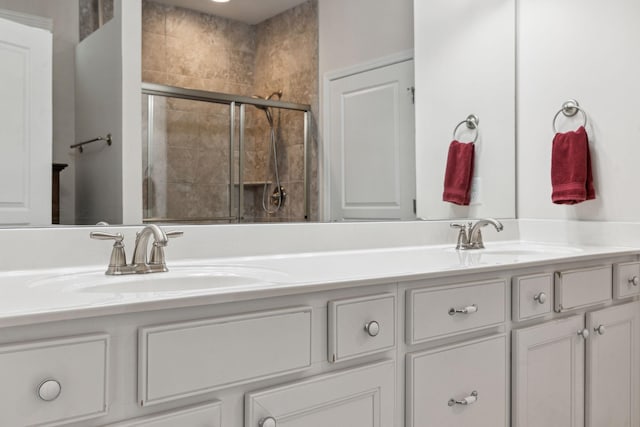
(25, 124)
(548, 375)
(613, 362)
(359, 397)
(371, 144)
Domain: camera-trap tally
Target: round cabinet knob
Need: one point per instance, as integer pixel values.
(49, 390)
(541, 298)
(600, 330)
(372, 328)
(267, 422)
(635, 280)
(584, 333)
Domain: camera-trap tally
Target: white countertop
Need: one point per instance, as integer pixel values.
(36, 296)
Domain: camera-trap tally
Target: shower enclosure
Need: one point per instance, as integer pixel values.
(218, 158)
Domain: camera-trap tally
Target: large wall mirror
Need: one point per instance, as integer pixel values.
(181, 155)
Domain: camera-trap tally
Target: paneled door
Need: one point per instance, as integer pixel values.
(371, 145)
(613, 362)
(358, 397)
(548, 374)
(25, 124)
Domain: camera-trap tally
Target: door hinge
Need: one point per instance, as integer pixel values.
(412, 89)
(415, 207)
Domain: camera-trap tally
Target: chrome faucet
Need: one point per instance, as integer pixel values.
(470, 236)
(142, 261)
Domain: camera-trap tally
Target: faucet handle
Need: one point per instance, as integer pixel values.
(463, 236)
(99, 235)
(118, 260)
(157, 251)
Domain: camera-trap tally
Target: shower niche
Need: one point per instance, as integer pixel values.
(219, 158)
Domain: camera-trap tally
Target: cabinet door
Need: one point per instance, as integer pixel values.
(457, 386)
(613, 356)
(548, 374)
(359, 397)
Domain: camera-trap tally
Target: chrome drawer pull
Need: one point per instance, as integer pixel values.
(267, 422)
(466, 310)
(600, 329)
(584, 333)
(49, 390)
(635, 280)
(372, 328)
(469, 400)
(541, 298)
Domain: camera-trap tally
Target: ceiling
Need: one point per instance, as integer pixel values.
(248, 11)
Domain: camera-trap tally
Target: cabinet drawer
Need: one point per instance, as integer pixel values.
(71, 374)
(532, 296)
(431, 313)
(191, 358)
(474, 373)
(361, 326)
(626, 279)
(582, 287)
(362, 397)
(207, 415)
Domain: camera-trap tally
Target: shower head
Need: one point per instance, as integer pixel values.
(266, 109)
(277, 93)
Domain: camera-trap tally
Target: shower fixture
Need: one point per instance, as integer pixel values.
(279, 194)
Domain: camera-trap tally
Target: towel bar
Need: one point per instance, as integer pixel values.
(100, 138)
(472, 121)
(569, 108)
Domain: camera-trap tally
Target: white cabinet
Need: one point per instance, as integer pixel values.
(54, 382)
(613, 361)
(548, 374)
(190, 358)
(359, 397)
(461, 385)
(207, 415)
(549, 370)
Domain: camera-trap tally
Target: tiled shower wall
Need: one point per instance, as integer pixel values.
(90, 11)
(193, 50)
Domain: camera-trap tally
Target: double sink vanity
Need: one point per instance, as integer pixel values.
(516, 334)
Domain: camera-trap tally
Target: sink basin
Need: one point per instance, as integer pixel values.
(529, 249)
(176, 280)
(520, 250)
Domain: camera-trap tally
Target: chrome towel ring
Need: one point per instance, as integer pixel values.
(569, 108)
(472, 121)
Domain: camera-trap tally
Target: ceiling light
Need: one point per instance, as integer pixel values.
(220, 1)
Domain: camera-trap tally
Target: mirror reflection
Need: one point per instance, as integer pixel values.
(223, 159)
(199, 161)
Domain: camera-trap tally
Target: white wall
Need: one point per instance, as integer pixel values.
(587, 50)
(465, 56)
(65, 37)
(108, 100)
(356, 31)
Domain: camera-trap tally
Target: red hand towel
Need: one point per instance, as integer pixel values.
(571, 175)
(457, 176)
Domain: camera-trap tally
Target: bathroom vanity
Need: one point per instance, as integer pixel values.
(516, 335)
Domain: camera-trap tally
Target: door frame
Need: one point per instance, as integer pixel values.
(324, 150)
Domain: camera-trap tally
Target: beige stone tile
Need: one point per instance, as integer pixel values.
(296, 162)
(182, 129)
(181, 165)
(154, 52)
(154, 77)
(153, 17)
